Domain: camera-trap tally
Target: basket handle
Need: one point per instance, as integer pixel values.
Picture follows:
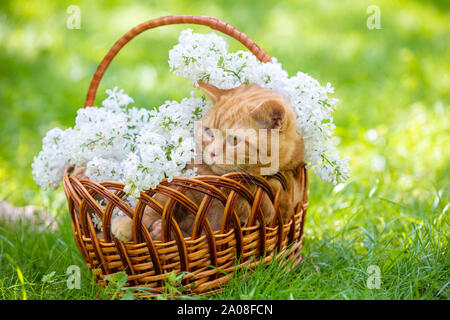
(213, 23)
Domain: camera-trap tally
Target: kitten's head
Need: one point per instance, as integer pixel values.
(249, 128)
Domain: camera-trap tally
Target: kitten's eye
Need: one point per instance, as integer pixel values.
(233, 140)
(209, 132)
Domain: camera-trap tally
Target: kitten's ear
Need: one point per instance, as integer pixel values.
(211, 91)
(270, 114)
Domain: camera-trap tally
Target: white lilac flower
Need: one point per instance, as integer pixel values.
(115, 142)
(116, 99)
(164, 146)
(48, 166)
(140, 147)
(206, 58)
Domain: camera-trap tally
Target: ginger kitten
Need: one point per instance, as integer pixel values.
(224, 130)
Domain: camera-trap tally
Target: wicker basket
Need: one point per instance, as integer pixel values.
(208, 257)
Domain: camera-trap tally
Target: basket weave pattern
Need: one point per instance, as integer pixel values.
(207, 255)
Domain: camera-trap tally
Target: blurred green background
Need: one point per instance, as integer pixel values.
(393, 85)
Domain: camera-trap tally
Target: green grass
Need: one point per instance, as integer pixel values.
(411, 252)
(392, 120)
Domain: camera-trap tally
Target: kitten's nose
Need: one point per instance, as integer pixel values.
(212, 154)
